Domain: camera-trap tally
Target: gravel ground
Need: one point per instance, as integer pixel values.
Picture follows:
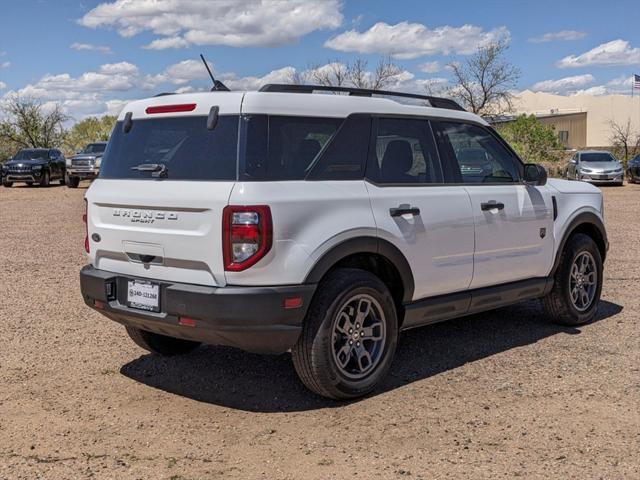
(496, 395)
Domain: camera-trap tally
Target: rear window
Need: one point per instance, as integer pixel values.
(182, 144)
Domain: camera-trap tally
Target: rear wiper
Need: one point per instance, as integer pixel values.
(158, 170)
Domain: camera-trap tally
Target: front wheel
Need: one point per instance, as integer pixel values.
(349, 335)
(7, 184)
(577, 283)
(45, 180)
(72, 182)
(161, 344)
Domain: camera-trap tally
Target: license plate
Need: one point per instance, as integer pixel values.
(143, 295)
(602, 177)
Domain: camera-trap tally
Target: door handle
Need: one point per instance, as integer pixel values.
(402, 210)
(491, 205)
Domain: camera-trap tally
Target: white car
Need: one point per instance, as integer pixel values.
(289, 219)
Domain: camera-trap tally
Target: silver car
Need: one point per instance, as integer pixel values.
(595, 166)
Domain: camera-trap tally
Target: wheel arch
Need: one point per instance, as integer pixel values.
(589, 224)
(373, 254)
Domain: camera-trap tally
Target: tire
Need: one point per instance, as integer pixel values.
(63, 180)
(161, 344)
(577, 177)
(322, 343)
(45, 180)
(559, 304)
(72, 182)
(7, 184)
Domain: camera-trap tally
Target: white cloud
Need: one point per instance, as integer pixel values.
(563, 85)
(92, 48)
(186, 71)
(5, 64)
(237, 23)
(281, 75)
(406, 40)
(564, 35)
(3, 85)
(430, 67)
(611, 54)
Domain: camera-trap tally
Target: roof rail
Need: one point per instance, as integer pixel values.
(436, 102)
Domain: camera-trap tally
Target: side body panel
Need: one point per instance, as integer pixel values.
(516, 242)
(438, 242)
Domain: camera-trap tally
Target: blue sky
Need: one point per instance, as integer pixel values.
(91, 56)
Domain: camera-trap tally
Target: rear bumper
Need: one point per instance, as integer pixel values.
(250, 318)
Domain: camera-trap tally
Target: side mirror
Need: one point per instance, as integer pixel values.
(573, 161)
(535, 174)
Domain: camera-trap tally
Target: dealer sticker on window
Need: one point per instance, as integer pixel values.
(143, 295)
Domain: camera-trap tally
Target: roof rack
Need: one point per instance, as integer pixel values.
(436, 102)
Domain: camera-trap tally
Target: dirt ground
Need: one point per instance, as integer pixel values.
(498, 395)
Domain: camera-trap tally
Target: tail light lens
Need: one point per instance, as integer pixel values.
(246, 235)
(86, 227)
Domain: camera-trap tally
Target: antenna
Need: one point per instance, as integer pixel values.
(218, 86)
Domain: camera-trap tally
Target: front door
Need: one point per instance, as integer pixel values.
(431, 223)
(513, 221)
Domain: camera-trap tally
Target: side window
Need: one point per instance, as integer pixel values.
(403, 152)
(283, 147)
(345, 157)
(475, 155)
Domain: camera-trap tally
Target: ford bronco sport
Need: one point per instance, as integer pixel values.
(287, 219)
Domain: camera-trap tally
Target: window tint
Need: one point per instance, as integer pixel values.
(475, 155)
(283, 147)
(345, 156)
(404, 153)
(183, 144)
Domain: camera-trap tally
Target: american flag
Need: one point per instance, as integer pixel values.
(636, 81)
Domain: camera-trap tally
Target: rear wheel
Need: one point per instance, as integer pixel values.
(349, 336)
(161, 344)
(577, 283)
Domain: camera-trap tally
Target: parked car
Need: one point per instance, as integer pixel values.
(633, 170)
(34, 166)
(285, 220)
(595, 166)
(85, 164)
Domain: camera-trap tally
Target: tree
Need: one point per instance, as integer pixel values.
(91, 129)
(624, 140)
(483, 82)
(28, 124)
(351, 74)
(534, 141)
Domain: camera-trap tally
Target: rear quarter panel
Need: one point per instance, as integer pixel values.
(309, 218)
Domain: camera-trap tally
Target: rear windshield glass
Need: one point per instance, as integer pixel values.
(596, 157)
(184, 146)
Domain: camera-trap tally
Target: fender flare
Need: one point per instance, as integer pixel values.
(372, 245)
(584, 218)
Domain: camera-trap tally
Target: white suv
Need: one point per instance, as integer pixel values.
(287, 219)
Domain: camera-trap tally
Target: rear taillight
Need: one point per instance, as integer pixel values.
(246, 235)
(86, 227)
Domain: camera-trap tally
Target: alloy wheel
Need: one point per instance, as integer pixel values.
(583, 281)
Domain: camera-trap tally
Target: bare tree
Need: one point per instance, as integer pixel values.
(337, 74)
(624, 139)
(485, 80)
(28, 124)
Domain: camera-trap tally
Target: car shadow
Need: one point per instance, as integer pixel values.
(262, 383)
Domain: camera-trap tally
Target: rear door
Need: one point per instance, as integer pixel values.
(431, 223)
(513, 221)
(165, 224)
